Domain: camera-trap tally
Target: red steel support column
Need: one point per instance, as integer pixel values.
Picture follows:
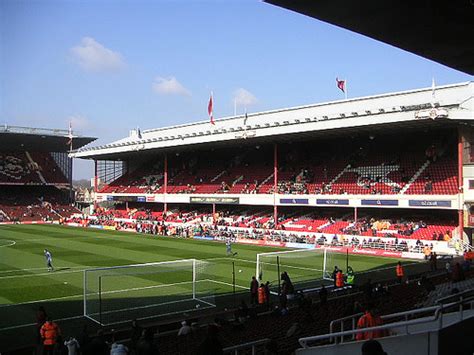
(165, 191)
(460, 184)
(275, 183)
(95, 176)
(355, 214)
(95, 184)
(213, 213)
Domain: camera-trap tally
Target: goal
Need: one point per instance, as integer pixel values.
(303, 266)
(119, 294)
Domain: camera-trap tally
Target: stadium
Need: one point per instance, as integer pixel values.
(184, 217)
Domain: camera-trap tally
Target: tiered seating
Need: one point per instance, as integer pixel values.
(441, 175)
(48, 168)
(16, 168)
(336, 227)
(389, 166)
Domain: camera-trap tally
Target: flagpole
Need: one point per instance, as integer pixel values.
(345, 91)
(70, 136)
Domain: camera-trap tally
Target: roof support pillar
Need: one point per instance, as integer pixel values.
(275, 183)
(165, 186)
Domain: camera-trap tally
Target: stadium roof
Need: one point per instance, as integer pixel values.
(439, 30)
(441, 106)
(13, 138)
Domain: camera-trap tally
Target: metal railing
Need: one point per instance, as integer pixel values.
(436, 311)
(253, 345)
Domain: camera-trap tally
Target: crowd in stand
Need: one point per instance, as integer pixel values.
(306, 168)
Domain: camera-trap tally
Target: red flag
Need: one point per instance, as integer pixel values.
(341, 84)
(209, 110)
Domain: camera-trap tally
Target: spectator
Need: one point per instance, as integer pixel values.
(287, 286)
(146, 344)
(84, 338)
(371, 318)
(433, 261)
(372, 347)
(49, 333)
(185, 329)
(334, 274)
(253, 291)
(448, 269)
(135, 335)
(118, 349)
(458, 274)
(59, 347)
(72, 346)
(97, 346)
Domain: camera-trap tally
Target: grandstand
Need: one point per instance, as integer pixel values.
(36, 174)
(390, 166)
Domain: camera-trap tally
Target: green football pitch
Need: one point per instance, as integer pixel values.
(25, 282)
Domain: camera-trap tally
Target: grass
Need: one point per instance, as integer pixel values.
(25, 282)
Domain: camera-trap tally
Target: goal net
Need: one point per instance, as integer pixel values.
(303, 266)
(119, 294)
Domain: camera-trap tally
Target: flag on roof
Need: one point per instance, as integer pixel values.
(209, 110)
(341, 84)
(245, 118)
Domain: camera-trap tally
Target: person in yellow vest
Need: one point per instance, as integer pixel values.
(350, 276)
(400, 272)
(49, 333)
(339, 279)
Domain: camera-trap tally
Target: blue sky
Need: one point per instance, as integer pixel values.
(110, 66)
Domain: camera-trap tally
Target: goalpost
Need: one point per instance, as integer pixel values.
(303, 266)
(119, 294)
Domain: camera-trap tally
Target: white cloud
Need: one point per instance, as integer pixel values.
(169, 86)
(245, 98)
(93, 56)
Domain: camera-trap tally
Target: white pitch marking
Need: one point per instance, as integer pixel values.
(39, 268)
(225, 283)
(12, 243)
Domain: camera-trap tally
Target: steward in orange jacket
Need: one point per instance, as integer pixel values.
(339, 279)
(262, 294)
(400, 272)
(49, 333)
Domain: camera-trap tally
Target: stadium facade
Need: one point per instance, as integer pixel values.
(407, 150)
